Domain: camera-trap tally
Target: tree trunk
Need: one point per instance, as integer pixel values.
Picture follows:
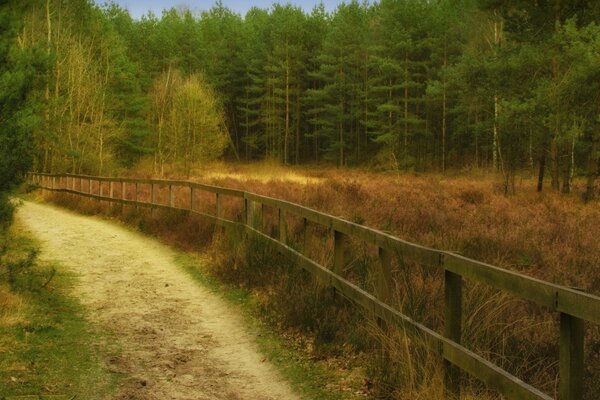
(287, 108)
(406, 104)
(47, 93)
(554, 167)
(297, 160)
(540, 184)
(592, 170)
(444, 112)
(566, 188)
(495, 145)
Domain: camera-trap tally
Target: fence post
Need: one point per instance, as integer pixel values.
(245, 211)
(191, 198)
(218, 205)
(100, 187)
(171, 198)
(257, 217)
(339, 248)
(250, 220)
(571, 366)
(282, 227)
(384, 277)
(111, 189)
(123, 190)
(305, 236)
(452, 329)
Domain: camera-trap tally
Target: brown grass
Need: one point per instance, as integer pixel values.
(549, 236)
(11, 308)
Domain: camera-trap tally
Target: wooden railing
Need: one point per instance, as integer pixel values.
(574, 307)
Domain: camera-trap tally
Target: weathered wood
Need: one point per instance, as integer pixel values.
(339, 252)
(257, 215)
(111, 189)
(452, 329)
(100, 189)
(554, 297)
(164, 182)
(508, 385)
(383, 278)
(249, 212)
(171, 196)
(192, 198)
(218, 205)
(262, 221)
(493, 376)
(282, 226)
(571, 360)
(123, 190)
(153, 194)
(305, 236)
(399, 247)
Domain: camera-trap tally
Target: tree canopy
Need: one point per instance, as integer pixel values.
(396, 84)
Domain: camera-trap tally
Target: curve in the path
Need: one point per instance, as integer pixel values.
(179, 341)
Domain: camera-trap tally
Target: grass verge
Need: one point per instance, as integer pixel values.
(308, 377)
(47, 347)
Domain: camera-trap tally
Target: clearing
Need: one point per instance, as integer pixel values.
(177, 339)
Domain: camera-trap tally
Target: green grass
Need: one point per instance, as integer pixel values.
(309, 378)
(50, 348)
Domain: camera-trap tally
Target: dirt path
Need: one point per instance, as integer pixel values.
(178, 340)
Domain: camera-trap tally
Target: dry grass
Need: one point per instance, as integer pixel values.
(549, 236)
(12, 308)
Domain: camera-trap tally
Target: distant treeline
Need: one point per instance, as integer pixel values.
(399, 84)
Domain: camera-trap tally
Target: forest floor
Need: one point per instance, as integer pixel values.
(177, 340)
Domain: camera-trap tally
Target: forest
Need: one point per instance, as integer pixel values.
(415, 85)
(418, 118)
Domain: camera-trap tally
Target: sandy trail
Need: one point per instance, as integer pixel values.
(178, 340)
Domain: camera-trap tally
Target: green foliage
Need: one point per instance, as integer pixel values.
(415, 85)
(18, 108)
(189, 120)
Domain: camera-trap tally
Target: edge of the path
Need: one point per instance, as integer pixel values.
(309, 379)
(48, 347)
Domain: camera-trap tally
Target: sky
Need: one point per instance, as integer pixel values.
(137, 8)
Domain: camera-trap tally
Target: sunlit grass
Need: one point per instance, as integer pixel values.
(264, 172)
(47, 346)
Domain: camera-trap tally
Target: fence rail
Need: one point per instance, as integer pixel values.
(574, 307)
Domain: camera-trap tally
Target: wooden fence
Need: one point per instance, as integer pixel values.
(574, 307)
